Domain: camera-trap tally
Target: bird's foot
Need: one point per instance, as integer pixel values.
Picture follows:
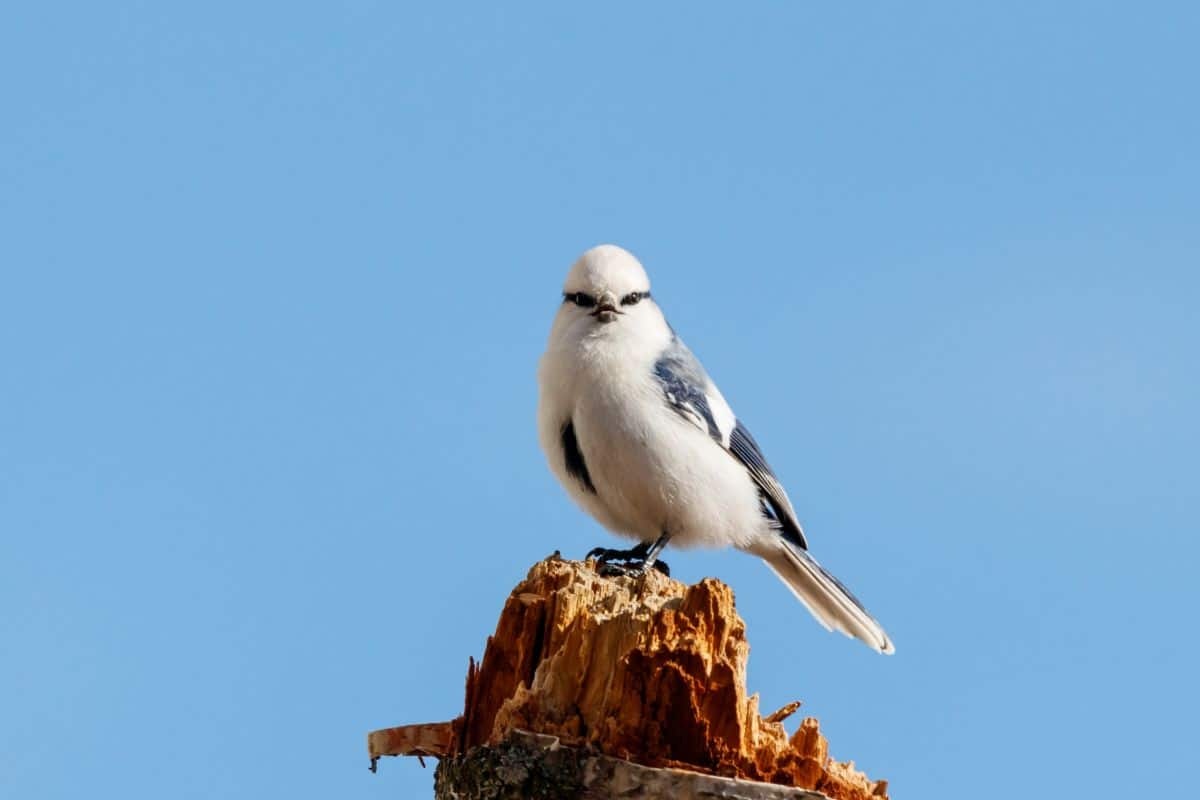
(606, 554)
(634, 558)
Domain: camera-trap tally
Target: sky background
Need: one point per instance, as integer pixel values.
(275, 277)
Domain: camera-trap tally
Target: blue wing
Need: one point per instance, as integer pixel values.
(685, 386)
(691, 393)
(746, 450)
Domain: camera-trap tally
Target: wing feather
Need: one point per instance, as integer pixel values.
(745, 449)
(691, 393)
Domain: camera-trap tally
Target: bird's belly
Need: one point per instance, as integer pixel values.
(654, 471)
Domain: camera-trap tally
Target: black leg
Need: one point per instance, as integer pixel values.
(638, 559)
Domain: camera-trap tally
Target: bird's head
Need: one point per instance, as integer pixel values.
(606, 285)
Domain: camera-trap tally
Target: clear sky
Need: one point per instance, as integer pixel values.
(274, 279)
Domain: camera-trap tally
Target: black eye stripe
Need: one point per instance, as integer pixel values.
(585, 300)
(580, 299)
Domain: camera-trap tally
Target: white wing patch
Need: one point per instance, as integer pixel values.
(722, 414)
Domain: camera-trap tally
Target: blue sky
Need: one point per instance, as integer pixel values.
(274, 279)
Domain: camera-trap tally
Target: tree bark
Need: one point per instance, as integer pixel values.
(528, 766)
(620, 687)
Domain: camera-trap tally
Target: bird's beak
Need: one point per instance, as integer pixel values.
(607, 309)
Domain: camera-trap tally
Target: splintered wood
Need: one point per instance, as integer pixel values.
(642, 669)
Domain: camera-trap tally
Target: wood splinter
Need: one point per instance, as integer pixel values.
(428, 739)
(783, 713)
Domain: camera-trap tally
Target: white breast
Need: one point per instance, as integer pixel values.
(652, 469)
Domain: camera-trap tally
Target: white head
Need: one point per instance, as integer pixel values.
(607, 288)
(606, 282)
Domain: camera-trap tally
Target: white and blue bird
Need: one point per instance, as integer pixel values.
(641, 438)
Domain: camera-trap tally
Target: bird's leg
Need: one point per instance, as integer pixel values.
(639, 559)
(651, 559)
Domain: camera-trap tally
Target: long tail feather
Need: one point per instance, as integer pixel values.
(824, 596)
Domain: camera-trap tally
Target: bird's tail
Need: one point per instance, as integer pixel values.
(824, 595)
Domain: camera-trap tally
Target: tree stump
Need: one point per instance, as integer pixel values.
(620, 687)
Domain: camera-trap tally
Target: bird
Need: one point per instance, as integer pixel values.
(642, 440)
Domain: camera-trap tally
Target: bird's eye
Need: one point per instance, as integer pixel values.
(580, 299)
(633, 298)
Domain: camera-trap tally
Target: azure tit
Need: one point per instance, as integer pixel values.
(641, 438)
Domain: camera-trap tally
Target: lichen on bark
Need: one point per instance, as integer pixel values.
(514, 769)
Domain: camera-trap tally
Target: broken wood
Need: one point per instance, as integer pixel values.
(429, 739)
(641, 671)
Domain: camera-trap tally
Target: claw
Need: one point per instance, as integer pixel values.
(617, 571)
(636, 570)
(637, 559)
(607, 554)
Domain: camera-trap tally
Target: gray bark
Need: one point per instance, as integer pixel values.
(527, 766)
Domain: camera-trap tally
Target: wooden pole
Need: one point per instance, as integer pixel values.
(633, 687)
